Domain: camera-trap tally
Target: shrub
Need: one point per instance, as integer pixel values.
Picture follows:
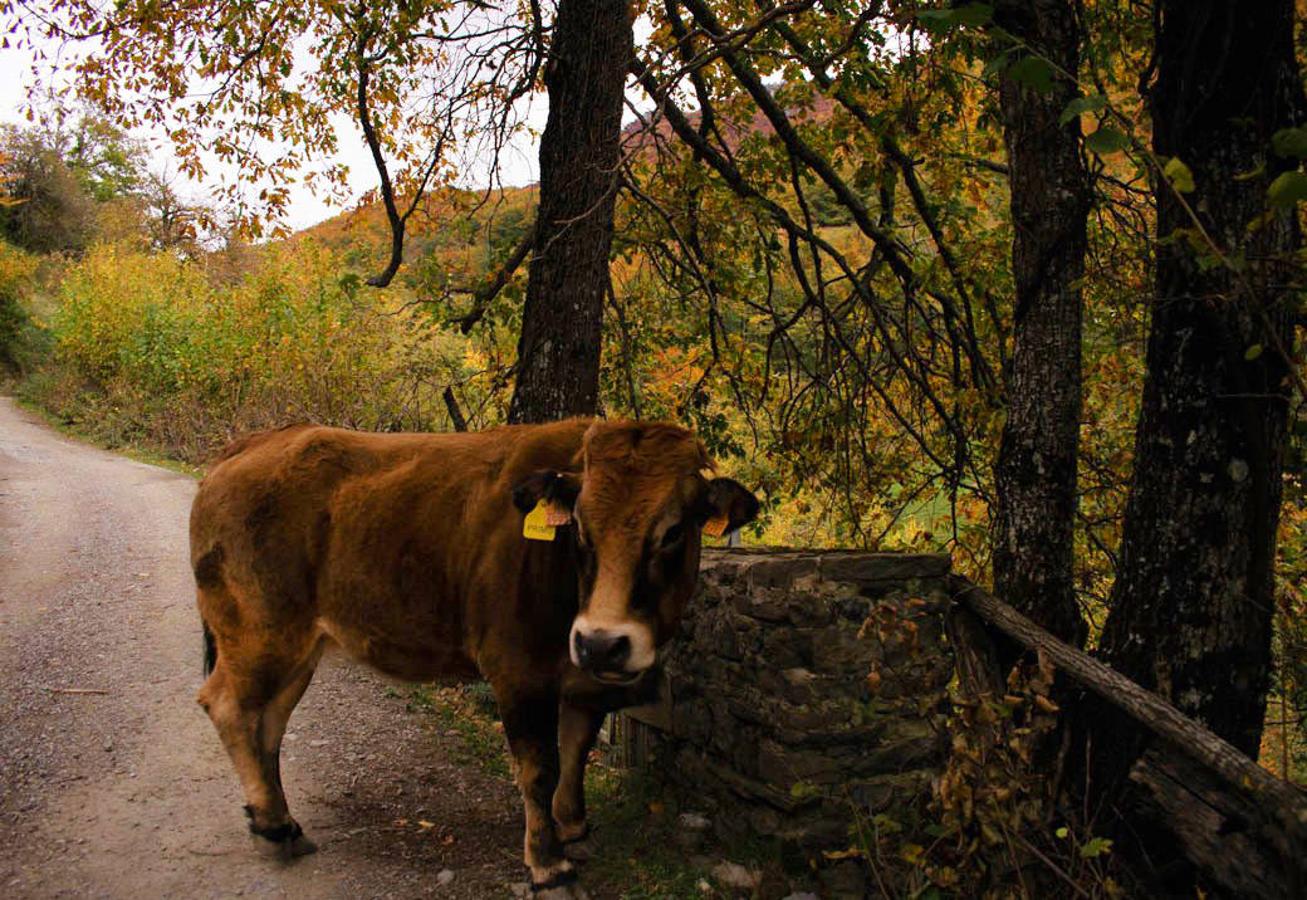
(149, 348)
(17, 269)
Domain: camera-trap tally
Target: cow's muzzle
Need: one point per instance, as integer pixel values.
(604, 654)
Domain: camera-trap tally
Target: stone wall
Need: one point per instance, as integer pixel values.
(806, 691)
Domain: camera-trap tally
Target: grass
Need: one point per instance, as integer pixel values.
(635, 842)
(462, 709)
(82, 435)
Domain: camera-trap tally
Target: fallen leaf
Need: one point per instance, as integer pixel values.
(850, 853)
(1046, 705)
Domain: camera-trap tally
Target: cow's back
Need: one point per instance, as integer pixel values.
(392, 544)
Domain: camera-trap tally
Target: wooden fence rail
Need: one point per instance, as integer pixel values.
(1244, 827)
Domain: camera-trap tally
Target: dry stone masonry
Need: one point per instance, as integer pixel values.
(806, 693)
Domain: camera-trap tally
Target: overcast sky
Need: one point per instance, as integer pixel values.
(518, 164)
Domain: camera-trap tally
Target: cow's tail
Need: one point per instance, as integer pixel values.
(210, 650)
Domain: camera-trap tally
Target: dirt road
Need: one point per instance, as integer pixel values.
(112, 781)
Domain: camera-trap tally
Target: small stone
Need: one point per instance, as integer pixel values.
(444, 877)
(690, 834)
(693, 821)
(798, 676)
(735, 876)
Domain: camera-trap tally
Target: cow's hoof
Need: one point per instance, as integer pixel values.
(565, 892)
(286, 840)
(580, 850)
(562, 886)
(578, 843)
(300, 845)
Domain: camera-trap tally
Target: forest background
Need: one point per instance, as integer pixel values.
(812, 257)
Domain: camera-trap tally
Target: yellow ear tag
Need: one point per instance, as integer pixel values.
(536, 527)
(716, 526)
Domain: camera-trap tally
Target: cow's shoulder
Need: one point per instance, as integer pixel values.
(553, 445)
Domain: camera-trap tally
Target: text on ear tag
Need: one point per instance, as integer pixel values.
(535, 526)
(716, 526)
(557, 515)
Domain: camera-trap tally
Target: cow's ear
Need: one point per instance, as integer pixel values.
(558, 488)
(728, 500)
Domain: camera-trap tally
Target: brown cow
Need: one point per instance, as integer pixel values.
(408, 550)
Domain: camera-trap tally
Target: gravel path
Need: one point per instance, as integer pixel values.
(112, 780)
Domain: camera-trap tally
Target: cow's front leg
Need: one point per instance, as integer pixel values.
(531, 726)
(577, 730)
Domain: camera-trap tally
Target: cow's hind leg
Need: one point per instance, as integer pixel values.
(271, 731)
(249, 697)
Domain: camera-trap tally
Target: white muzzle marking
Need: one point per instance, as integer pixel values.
(643, 653)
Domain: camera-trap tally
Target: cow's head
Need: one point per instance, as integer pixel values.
(638, 502)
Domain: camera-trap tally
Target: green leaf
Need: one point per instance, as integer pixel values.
(1081, 105)
(997, 63)
(1062, 832)
(1255, 172)
(1290, 142)
(886, 825)
(1106, 140)
(1095, 847)
(1252, 352)
(803, 790)
(1034, 72)
(972, 14)
(1287, 189)
(1180, 175)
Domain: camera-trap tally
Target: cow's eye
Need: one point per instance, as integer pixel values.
(672, 535)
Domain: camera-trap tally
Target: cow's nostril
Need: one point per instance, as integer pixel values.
(600, 651)
(619, 651)
(582, 651)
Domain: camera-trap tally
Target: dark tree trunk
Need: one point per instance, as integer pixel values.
(562, 323)
(1035, 478)
(1192, 606)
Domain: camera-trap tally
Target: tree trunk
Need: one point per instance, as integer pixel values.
(562, 323)
(1192, 605)
(1035, 478)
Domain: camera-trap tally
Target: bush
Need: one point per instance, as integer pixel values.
(150, 348)
(17, 269)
